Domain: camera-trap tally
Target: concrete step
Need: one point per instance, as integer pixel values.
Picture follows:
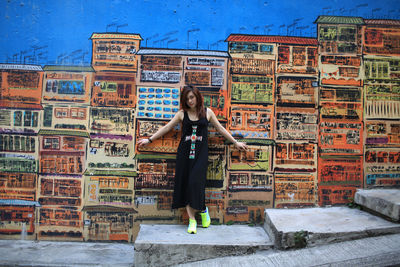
(165, 245)
(296, 228)
(385, 202)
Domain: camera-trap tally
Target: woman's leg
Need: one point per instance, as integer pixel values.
(191, 212)
(192, 220)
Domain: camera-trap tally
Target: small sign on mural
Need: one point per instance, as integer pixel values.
(93, 192)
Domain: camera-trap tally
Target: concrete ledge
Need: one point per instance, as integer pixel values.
(385, 202)
(296, 228)
(165, 245)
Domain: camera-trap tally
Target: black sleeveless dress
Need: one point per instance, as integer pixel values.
(191, 164)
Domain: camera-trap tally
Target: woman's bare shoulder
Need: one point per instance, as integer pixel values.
(180, 114)
(178, 117)
(209, 113)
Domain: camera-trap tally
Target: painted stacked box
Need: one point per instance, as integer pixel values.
(296, 116)
(21, 88)
(381, 39)
(63, 141)
(340, 163)
(251, 113)
(111, 171)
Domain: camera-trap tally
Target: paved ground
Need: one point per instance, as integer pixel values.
(45, 253)
(373, 251)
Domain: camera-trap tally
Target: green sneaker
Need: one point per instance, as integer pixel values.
(192, 226)
(205, 218)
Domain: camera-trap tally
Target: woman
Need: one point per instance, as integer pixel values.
(192, 156)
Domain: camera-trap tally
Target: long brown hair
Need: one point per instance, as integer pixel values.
(201, 113)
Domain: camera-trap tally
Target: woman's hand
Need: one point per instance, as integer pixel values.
(241, 146)
(143, 142)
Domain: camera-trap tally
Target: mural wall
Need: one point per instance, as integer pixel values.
(320, 115)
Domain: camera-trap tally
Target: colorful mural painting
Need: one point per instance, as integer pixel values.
(320, 116)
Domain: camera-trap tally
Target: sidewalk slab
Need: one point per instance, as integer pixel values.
(165, 245)
(294, 228)
(385, 202)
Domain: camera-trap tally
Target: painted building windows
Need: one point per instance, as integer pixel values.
(117, 47)
(158, 102)
(349, 72)
(115, 53)
(381, 40)
(5, 117)
(341, 60)
(267, 49)
(23, 79)
(312, 59)
(241, 47)
(373, 37)
(61, 165)
(160, 69)
(347, 47)
(347, 34)
(17, 143)
(283, 55)
(71, 113)
(47, 116)
(252, 89)
(65, 87)
(299, 56)
(377, 69)
(213, 101)
(26, 118)
(256, 93)
(78, 113)
(113, 149)
(51, 143)
(61, 112)
(252, 66)
(17, 165)
(73, 143)
(60, 187)
(296, 91)
(18, 118)
(343, 37)
(114, 90)
(327, 33)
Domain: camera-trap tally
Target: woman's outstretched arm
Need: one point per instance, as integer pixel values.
(163, 130)
(224, 132)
